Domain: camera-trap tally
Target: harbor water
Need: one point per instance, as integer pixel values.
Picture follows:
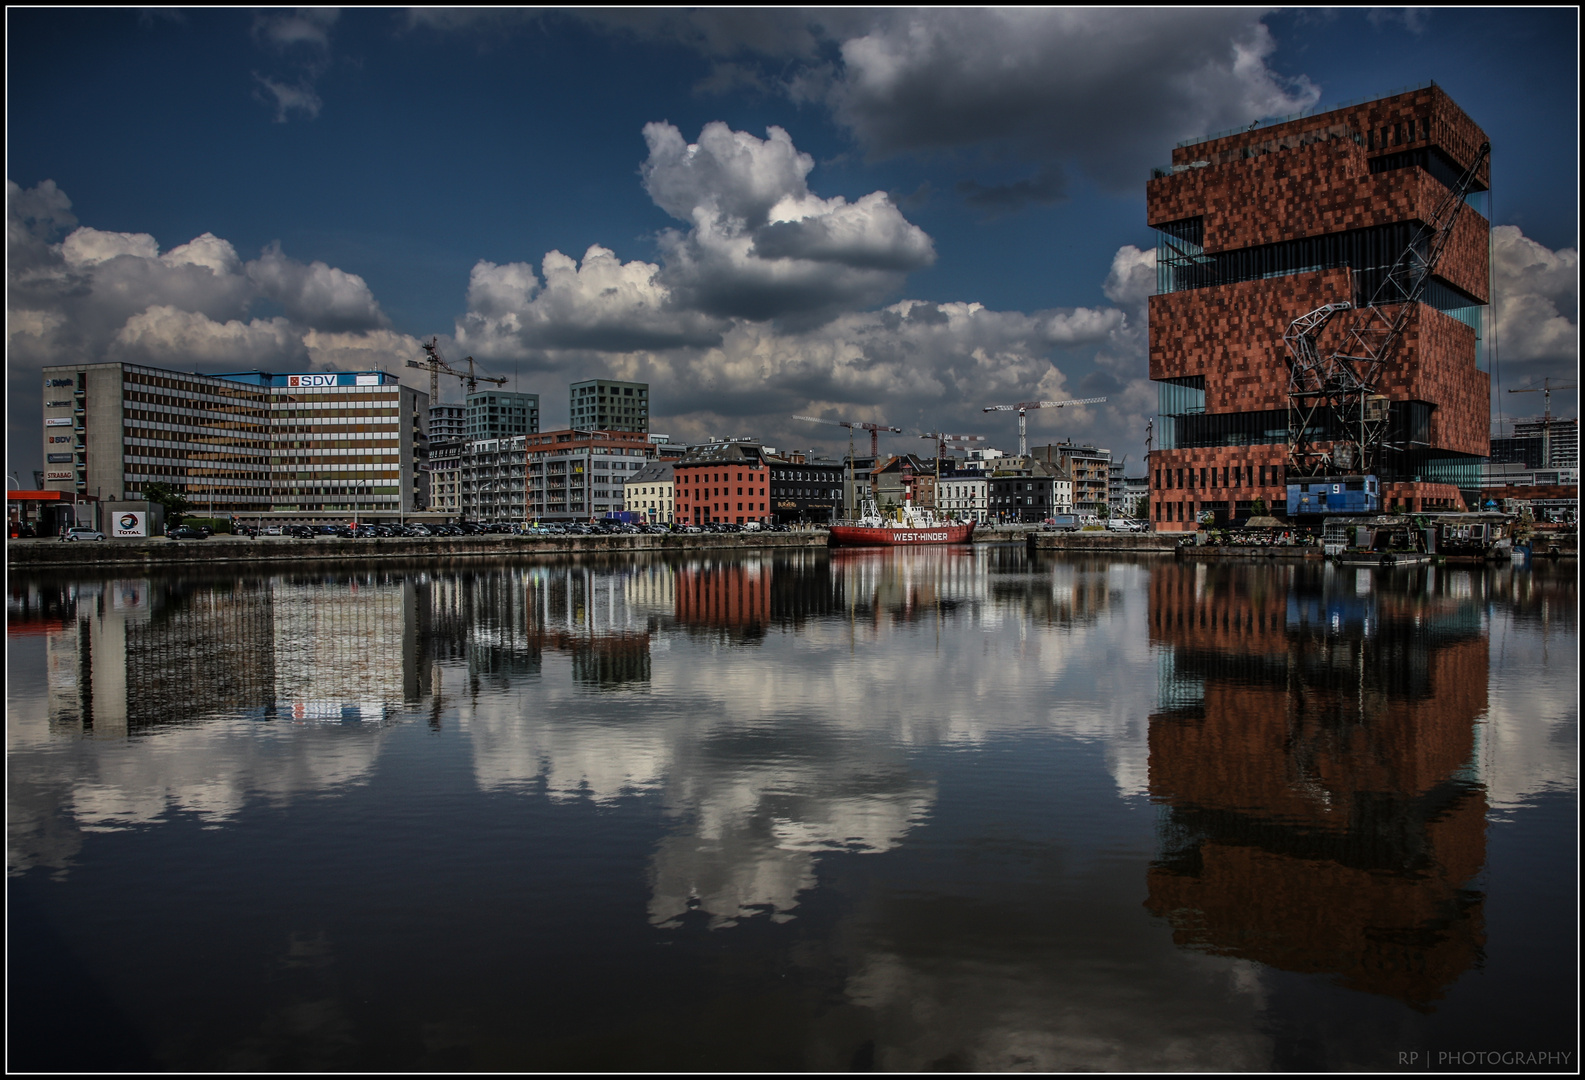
(952, 808)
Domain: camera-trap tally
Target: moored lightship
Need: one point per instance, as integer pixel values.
(912, 526)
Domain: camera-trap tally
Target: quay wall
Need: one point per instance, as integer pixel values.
(1239, 551)
(1102, 542)
(159, 552)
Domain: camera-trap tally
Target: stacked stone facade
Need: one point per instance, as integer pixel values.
(1376, 165)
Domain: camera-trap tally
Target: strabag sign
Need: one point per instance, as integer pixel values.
(57, 421)
(57, 474)
(130, 523)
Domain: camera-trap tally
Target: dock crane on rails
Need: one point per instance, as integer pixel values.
(875, 443)
(435, 363)
(1335, 398)
(1023, 406)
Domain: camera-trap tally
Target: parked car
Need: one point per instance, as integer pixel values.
(24, 531)
(272, 530)
(186, 532)
(81, 533)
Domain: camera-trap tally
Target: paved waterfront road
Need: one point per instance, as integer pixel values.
(799, 809)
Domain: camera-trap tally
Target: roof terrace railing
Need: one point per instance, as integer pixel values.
(1301, 114)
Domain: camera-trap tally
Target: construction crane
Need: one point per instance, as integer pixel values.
(957, 442)
(875, 445)
(1334, 399)
(1024, 406)
(874, 430)
(435, 363)
(1545, 389)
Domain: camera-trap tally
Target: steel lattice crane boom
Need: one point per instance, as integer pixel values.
(958, 442)
(1023, 406)
(875, 447)
(1334, 398)
(435, 363)
(874, 430)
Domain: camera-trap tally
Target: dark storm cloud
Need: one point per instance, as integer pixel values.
(1102, 88)
(1049, 185)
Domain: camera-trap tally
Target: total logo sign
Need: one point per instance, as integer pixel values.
(130, 523)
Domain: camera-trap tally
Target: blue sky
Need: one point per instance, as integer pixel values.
(887, 215)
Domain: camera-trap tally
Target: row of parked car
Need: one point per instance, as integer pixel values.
(467, 528)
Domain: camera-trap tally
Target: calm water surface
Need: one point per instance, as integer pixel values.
(945, 809)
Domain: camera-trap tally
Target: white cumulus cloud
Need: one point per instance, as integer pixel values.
(315, 294)
(161, 333)
(1536, 297)
(761, 244)
(94, 295)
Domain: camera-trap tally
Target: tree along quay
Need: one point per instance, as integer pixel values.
(52, 554)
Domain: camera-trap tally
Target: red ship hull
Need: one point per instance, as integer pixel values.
(956, 532)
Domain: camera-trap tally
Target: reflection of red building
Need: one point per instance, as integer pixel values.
(1315, 754)
(724, 595)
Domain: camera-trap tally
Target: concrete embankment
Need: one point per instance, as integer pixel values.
(1097, 543)
(1240, 551)
(54, 555)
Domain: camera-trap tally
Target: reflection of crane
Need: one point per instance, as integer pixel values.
(1023, 406)
(1545, 390)
(434, 363)
(1335, 398)
(875, 445)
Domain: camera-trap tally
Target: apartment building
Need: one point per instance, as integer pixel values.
(575, 475)
(652, 492)
(962, 496)
(725, 481)
(447, 422)
(496, 414)
(1088, 468)
(605, 405)
(805, 489)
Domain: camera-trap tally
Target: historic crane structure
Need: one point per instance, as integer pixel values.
(1338, 422)
(1023, 406)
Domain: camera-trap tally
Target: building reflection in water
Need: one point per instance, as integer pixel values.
(726, 595)
(601, 618)
(129, 655)
(1314, 755)
(991, 583)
